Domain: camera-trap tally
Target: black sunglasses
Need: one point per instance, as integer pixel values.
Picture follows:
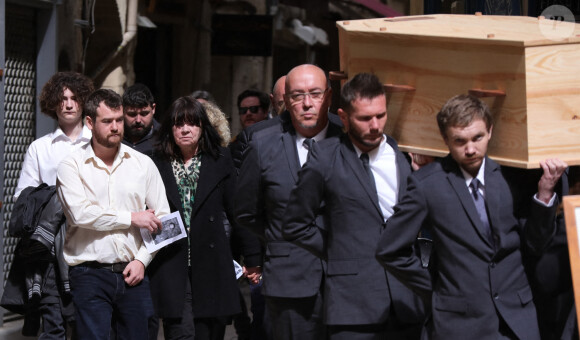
(253, 109)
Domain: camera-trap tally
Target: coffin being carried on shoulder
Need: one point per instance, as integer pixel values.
(526, 69)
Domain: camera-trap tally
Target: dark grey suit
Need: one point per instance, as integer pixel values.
(480, 289)
(358, 291)
(267, 174)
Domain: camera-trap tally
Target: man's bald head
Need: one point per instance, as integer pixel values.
(277, 95)
(307, 98)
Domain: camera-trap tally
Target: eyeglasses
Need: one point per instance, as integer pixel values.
(314, 95)
(253, 109)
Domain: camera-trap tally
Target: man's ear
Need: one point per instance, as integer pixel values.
(343, 118)
(89, 122)
(153, 106)
(490, 129)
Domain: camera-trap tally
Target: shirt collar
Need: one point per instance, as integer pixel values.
(89, 155)
(85, 135)
(374, 152)
(319, 136)
(479, 176)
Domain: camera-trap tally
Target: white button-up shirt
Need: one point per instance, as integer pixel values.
(383, 164)
(44, 155)
(98, 203)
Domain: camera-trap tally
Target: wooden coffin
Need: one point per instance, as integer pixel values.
(526, 69)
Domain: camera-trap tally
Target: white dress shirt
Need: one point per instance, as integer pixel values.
(44, 155)
(98, 203)
(302, 150)
(383, 164)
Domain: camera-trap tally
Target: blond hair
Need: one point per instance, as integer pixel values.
(219, 121)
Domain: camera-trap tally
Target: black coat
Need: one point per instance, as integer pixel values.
(37, 277)
(213, 282)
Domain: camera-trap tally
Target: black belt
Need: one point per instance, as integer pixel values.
(118, 267)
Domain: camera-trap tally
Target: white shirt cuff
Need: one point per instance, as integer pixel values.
(549, 204)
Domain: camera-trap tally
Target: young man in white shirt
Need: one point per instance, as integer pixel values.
(101, 189)
(62, 99)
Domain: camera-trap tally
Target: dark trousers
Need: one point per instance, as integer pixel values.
(55, 312)
(242, 322)
(210, 328)
(53, 324)
(176, 328)
(388, 330)
(296, 318)
(261, 327)
(257, 328)
(358, 332)
(98, 294)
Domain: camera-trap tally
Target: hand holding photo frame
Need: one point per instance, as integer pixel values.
(172, 230)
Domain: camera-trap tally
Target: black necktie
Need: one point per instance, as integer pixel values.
(308, 145)
(365, 161)
(480, 206)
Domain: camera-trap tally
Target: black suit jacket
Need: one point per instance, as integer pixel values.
(358, 291)
(475, 283)
(213, 282)
(268, 172)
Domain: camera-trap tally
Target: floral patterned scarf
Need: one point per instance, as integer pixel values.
(186, 178)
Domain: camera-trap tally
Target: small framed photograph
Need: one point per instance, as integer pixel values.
(172, 230)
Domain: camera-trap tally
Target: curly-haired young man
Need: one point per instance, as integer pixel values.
(62, 98)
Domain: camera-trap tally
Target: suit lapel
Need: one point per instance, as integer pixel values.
(210, 174)
(291, 154)
(493, 193)
(402, 171)
(457, 181)
(289, 145)
(350, 155)
(166, 172)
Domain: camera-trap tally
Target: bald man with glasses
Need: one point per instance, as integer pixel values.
(276, 150)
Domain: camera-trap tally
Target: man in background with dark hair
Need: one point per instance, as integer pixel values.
(140, 125)
(101, 190)
(253, 107)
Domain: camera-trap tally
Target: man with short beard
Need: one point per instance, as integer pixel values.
(140, 126)
(100, 186)
(358, 178)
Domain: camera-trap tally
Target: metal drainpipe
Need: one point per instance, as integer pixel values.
(129, 35)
